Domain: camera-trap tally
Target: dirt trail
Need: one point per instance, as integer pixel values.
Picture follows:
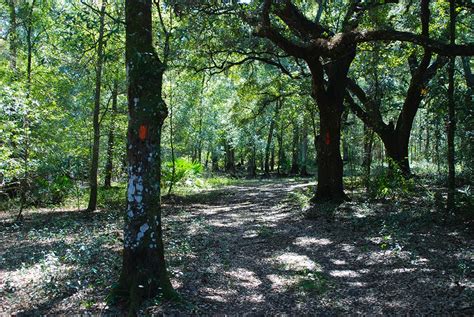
(253, 251)
(249, 249)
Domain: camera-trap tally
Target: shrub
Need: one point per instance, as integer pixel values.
(392, 183)
(185, 170)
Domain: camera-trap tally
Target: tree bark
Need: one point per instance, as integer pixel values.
(330, 166)
(95, 121)
(111, 139)
(144, 273)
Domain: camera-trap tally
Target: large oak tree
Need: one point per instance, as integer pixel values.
(328, 54)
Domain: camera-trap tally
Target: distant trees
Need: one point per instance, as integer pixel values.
(233, 112)
(96, 111)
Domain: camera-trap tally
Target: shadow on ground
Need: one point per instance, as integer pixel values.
(250, 249)
(255, 251)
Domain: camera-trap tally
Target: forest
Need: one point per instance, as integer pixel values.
(244, 157)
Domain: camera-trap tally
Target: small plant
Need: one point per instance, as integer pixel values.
(184, 172)
(392, 184)
(312, 282)
(300, 197)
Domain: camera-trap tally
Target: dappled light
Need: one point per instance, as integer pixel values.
(242, 158)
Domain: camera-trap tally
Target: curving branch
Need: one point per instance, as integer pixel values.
(428, 43)
(299, 23)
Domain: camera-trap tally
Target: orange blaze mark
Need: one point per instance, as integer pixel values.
(328, 139)
(143, 132)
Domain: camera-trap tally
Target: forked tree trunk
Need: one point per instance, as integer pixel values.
(111, 140)
(144, 272)
(397, 152)
(95, 121)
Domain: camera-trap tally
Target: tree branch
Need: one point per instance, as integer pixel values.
(431, 44)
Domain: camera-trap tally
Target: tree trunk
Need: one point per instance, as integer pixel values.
(314, 128)
(437, 145)
(295, 167)
(367, 159)
(329, 98)
(268, 146)
(24, 183)
(252, 163)
(272, 159)
(428, 154)
(345, 143)
(330, 166)
(13, 36)
(215, 161)
(397, 152)
(304, 148)
(201, 114)
(173, 159)
(143, 269)
(281, 153)
(229, 158)
(110, 142)
(95, 121)
(206, 164)
(451, 204)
